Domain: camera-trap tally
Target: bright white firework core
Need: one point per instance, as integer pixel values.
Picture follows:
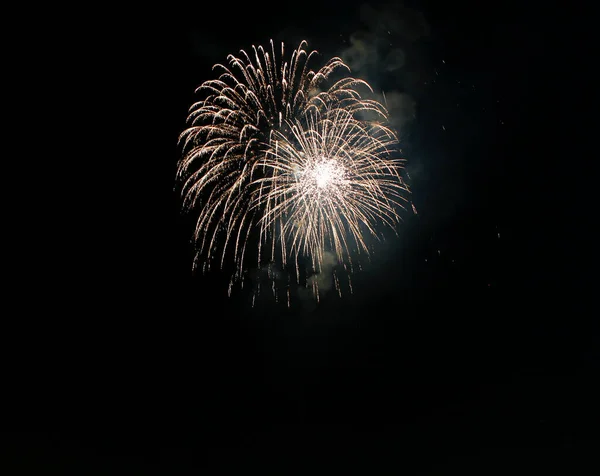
(323, 174)
(326, 173)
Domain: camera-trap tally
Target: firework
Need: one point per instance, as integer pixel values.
(279, 160)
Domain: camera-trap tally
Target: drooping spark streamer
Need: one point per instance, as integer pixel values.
(277, 159)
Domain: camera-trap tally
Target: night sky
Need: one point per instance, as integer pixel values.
(466, 346)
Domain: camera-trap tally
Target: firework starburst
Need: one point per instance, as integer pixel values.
(277, 159)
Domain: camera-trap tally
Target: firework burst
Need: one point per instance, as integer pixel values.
(279, 160)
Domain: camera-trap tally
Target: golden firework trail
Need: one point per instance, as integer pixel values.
(278, 159)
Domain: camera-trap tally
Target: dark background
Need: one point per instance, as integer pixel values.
(469, 344)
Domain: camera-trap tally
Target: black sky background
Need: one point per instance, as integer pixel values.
(467, 346)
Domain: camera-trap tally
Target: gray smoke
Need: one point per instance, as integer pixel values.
(385, 54)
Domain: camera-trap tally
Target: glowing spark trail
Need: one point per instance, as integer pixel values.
(285, 167)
